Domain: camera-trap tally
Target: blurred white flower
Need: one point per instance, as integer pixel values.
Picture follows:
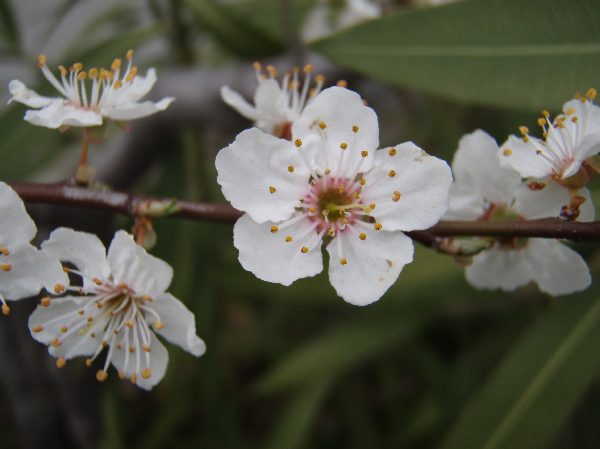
(485, 191)
(331, 185)
(568, 141)
(276, 106)
(24, 269)
(89, 96)
(121, 305)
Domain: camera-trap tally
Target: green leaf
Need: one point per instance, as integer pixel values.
(340, 350)
(512, 53)
(533, 390)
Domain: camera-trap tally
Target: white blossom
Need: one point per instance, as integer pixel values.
(276, 105)
(331, 186)
(567, 142)
(88, 97)
(121, 305)
(24, 270)
(483, 190)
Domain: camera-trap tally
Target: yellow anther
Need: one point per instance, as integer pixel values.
(122, 375)
(130, 54)
(331, 232)
(133, 378)
(342, 83)
(291, 168)
(355, 129)
(59, 288)
(298, 143)
(322, 125)
(272, 71)
(392, 152)
(56, 343)
(63, 70)
(525, 139)
(524, 130)
(341, 188)
(88, 362)
(570, 111)
(77, 67)
(591, 94)
(319, 79)
(37, 329)
(116, 64)
(5, 309)
(61, 362)
(506, 152)
(308, 68)
(304, 250)
(272, 189)
(372, 206)
(541, 121)
(101, 375)
(311, 210)
(288, 238)
(378, 226)
(364, 153)
(545, 113)
(257, 66)
(344, 221)
(158, 325)
(132, 74)
(129, 324)
(146, 373)
(97, 281)
(90, 319)
(131, 349)
(391, 173)
(82, 76)
(117, 84)
(100, 304)
(362, 236)
(81, 312)
(356, 195)
(343, 261)
(4, 251)
(362, 181)
(41, 60)
(46, 301)
(327, 171)
(104, 343)
(147, 298)
(574, 119)
(146, 347)
(64, 329)
(396, 196)
(274, 229)
(5, 267)
(343, 145)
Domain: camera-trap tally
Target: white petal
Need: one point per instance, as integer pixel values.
(131, 264)
(557, 269)
(588, 115)
(423, 183)
(180, 326)
(139, 87)
(589, 146)
(270, 257)
(158, 357)
(239, 103)
(549, 201)
(497, 268)
(31, 270)
(28, 97)
(373, 264)
(270, 103)
(58, 114)
(522, 157)
(357, 11)
(133, 111)
(316, 25)
(340, 109)
(16, 227)
(586, 210)
(255, 163)
(82, 249)
(465, 203)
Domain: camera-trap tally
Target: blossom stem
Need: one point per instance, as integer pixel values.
(132, 205)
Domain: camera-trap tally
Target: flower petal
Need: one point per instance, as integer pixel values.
(271, 105)
(16, 227)
(372, 265)
(239, 103)
(409, 188)
(270, 257)
(139, 87)
(549, 201)
(523, 157)
(254, 173)
(465, 203)
(332, 114)
(133, 111)
(58, 114)
(131, 264)
(28, 97)
(557, 269)
(180, 326)
(82, 249)
(31, 269)
(497, 268)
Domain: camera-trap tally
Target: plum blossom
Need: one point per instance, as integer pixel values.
(331, 187)
(24, 270)
(276, 105)
(88, 97)
(121, 305)
(483, 190)
(568, 141)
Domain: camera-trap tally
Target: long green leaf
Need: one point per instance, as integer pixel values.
(536, 386)
(514, 53)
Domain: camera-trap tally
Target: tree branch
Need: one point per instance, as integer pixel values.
(150, 206)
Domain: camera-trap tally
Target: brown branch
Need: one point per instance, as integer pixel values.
(130, 204)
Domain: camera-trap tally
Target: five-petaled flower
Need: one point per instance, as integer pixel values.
(568, 141)
(276, 106)
(88, 97)
(485, 191)
(120, 305)
(24, 269)
(331, 185)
